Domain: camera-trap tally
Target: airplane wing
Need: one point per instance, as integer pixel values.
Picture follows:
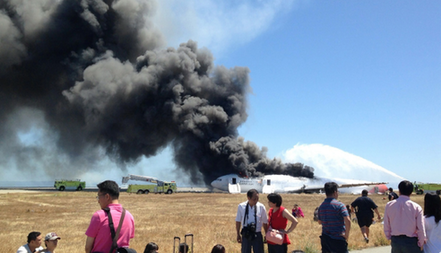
(359, 184)
(320, 188)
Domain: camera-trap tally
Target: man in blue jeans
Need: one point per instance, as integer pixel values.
(335, 221)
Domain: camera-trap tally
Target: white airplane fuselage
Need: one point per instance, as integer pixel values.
(283, 184)
(278, 183)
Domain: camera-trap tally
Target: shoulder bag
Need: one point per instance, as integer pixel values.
(116, 235)
(274, 235)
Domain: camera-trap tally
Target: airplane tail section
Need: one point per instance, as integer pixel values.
(266, 189)
(233, 188)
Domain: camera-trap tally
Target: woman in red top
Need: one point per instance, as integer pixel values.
(278, 218)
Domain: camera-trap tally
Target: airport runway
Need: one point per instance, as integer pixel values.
(52, 189)
(382, 249)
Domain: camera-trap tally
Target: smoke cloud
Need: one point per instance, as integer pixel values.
(94, 74)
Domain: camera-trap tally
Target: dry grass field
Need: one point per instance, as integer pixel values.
(158, 218)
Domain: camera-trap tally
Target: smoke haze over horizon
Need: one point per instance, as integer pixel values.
(92, 79)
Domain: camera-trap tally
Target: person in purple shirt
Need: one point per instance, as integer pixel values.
(404, 222)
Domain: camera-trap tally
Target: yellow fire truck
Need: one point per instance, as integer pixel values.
(152, 185)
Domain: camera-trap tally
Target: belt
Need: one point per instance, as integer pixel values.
(402, 236)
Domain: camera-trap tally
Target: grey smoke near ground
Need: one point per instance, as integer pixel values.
(99, 76)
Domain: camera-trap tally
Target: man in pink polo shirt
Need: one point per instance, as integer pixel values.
(404, 222)
(99, 238)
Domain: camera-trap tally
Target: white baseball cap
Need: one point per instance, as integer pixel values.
(51, 236)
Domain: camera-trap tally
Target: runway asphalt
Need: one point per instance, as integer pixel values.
(382, 249)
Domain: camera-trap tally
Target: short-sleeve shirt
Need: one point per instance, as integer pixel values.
(260, 213)
(364, 206)
(332, 213)
(392, 195)
(100, 230)
(25, 249)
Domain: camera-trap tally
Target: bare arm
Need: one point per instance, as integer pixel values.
(265, 227)
(378, 213)
(239, 238)
(348, 227)
(89, 244)
(294, 221)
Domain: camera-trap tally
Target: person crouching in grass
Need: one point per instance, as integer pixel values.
(51, 242)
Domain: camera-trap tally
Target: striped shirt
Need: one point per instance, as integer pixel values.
(331, 213)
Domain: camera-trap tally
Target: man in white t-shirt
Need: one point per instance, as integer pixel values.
(33, 245)
(251, 217)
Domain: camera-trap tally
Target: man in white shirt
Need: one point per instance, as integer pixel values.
(251, 217)
(33, 245)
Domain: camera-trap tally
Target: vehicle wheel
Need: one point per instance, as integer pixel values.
(146, 191)
(79, 188)
(140, 192)
(62, 188)
(169, 191)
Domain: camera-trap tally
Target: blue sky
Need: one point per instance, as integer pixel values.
(360, 76)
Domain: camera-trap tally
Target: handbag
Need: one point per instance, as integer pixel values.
(116, 235)
(274, 236)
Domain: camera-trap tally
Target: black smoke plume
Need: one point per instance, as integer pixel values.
(98, 75)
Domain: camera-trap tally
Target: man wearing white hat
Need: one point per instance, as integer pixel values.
(51, 242)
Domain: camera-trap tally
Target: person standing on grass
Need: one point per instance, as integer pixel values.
(51, 242)
(99, 237)
(278, 217)
(251, 216)
(33, 245)
(363, 207)
(432, 216)
(404, 222)
(335, 221)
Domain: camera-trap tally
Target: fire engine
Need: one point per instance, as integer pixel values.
(62, 185)
(153, 185)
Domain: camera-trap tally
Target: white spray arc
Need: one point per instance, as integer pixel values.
(331, 162)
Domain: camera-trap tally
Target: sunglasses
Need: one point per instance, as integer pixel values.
(100, 195)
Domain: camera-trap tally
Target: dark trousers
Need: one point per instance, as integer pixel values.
(277, 248)
(330, 245)
(256, 244)
(404, 244)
